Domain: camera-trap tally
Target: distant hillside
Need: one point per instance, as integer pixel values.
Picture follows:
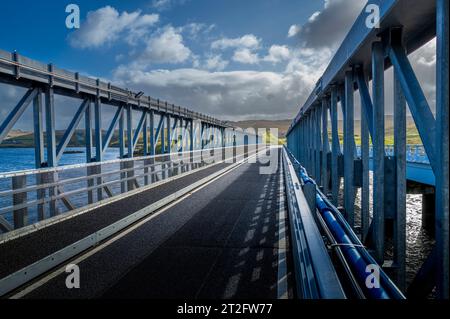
(281, 125)
(26, 139)
(19, 138)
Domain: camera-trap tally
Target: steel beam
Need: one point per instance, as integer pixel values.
(38, 131)
(325, 145)
(138, 130)
(98, 130)
(17, 112)
(50, 127)
(349, 140)
(122, 135)
(130, 141)
(159, 130)
(442, 149)
(378, 150)
(169, 135)
(400, 176)
(365, 191)
(112, 128)
(88, 131)
(366, 101)
(152, 133)
(145, 137)
(70, 130)
(162, 133)
(418, 105)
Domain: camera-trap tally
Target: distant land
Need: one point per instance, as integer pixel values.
(25, 139)
(281, 125)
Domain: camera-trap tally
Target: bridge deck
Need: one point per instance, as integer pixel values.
(220, 242)
(18, 253)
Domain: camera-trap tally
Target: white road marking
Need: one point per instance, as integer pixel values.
(27, 290)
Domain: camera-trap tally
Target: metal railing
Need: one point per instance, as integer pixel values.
(32, 196)
(315, 275)
(414, 153)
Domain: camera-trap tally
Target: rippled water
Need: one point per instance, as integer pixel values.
(17, 159)
(418, 242)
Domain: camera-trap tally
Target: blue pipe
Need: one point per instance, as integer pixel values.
(357, 257)
(353, 257)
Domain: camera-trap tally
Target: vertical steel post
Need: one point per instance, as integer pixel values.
(191, 141)
(129, 131)
(39, 149)
(122, 135)
(325, 145)
(51, 146)
(145, 146)
(98, 130)
(152, 133)
(442, 146)
(378, 149)
(89, 158)
(335, 146)
(318, 144)
(169, 135)
(38, 130)
(152, 144)
(98, 145)
(311, 161)
(365, 187)
(349, 140)
(163, 139)
(400, 200)
(88, 131)
(312, 142)
(145, 134)
(50, 126)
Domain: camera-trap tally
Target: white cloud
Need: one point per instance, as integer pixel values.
(216, 63)
(245, 56)
(249, 41)
(162, 5)
(293, 30)
(278, 53)
(166, 46)
(235, 95)
(195, 30)
(106, 25)
(328, 27)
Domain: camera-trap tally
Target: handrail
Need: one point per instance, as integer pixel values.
(22, 67)
(24, 194)
(356, 254)
(315, 275)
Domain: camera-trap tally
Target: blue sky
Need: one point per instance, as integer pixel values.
(40, 32)
(232, 59)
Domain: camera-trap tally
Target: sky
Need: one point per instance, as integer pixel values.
(232, 59)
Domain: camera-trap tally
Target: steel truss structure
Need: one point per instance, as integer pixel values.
(176, 128)
(364, 56)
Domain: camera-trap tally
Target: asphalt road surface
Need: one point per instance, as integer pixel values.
(222, 241)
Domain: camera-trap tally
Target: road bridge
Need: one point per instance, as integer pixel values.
(207, 210)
